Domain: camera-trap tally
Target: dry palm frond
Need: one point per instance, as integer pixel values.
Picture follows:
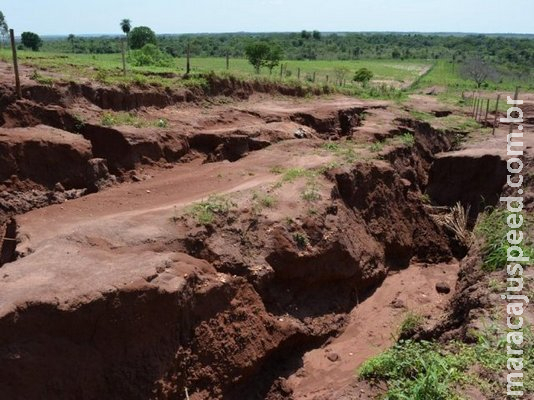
(456, 221)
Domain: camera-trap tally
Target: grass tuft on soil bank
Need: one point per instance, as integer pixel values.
(422, 370)
(205, 212)
(493, 228)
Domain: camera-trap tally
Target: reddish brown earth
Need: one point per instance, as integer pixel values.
(121, 294)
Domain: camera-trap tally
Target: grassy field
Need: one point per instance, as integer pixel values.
(392, 78)
(73, 66)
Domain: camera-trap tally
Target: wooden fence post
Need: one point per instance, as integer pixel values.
(487, 111)
(227, 60)
(496, 113)
(298, 73)
(15, 63)
(327, 79)
(314, 76)
(515, 100)
(123, 58)
(188, 62)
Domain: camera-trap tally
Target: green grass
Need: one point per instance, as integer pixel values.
(131, 119)
(204, 212)
(407, 139)
(377, 147)
(311, 193)
(446, 74)
(411, 322)
(346, 151)
(416, 371)
(107, 69)
(301, 239)
(422, 370)
(292, 174)
(453, 122)
(493, 228)
(263, 200)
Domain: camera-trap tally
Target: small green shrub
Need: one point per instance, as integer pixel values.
(151, 55)
(411, 322)
(311, 193)
(43, 80)
(162, 123)
(301, 240)
(377, 147)
(407, 139)
(204, 212)
(263, 200)
(292, 174)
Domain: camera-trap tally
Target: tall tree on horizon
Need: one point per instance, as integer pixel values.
(71, 39)
(126, 26)
(3, 28)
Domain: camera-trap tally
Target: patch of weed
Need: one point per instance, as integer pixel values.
(204, 212)
(493, 228)
(411, 322)
(407, 139)
(377, 147)
(301, 239)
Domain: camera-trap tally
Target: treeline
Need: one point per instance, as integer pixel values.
(514, 51)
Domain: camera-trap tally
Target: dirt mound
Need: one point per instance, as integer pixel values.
(473, 178)
(125, 147)
(47, 156)
(368, 189)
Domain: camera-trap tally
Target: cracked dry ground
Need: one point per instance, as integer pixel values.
(117, 284)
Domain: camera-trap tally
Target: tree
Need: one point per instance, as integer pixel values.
(141, 35)
(3, 27)
(274, 57)
(305, 35)
(316, 35)
(261, 54)
(257, 54)
(126, 26)
(150, 54)
(363, 75)
(71, 39)
(477, 70)
(340, 73)
(31, 40)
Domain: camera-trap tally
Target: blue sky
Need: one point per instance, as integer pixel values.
(181, 16)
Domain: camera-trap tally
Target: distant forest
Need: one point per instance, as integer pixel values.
(515, 52)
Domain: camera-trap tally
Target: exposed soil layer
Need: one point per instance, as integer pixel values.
(215, 133)
(124, 294)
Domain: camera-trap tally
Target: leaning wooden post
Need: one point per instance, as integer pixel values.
(327, 79)
(496, 113)
(476, 108)
(515, 102)
(123, 58)
(298, 73)
(314, 76)
(474, 105)
(487, 111)
(481, 110)
(15, 63)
